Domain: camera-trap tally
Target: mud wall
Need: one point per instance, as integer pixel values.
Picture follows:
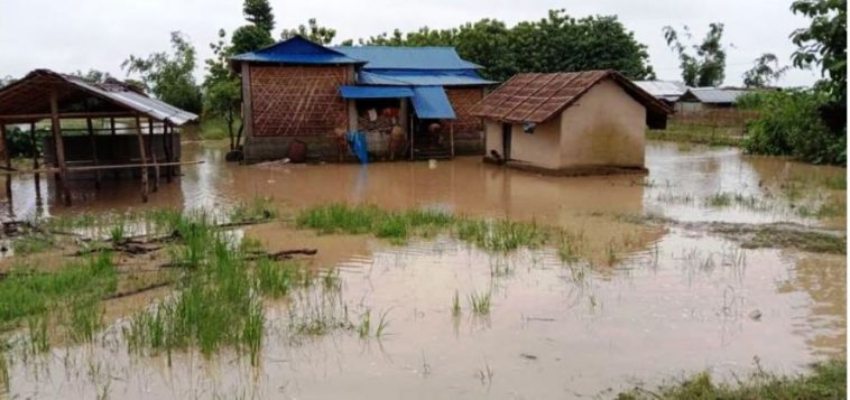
(468, 129)
(294, 102)
(606, 126)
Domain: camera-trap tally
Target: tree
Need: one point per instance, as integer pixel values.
(6, 80)
(557, 43)
(223, 89)
(765, 71)
(706, 67)
(824, 42)
(312, 31)
(259, 13)
(169, 76)
(93, 75)
(249, 38)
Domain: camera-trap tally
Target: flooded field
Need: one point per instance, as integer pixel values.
(714, 261)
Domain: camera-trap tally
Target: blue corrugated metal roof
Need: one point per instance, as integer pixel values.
(422, 78)
(374, 92)
(389, 57)
(431, 102)
(297, 50)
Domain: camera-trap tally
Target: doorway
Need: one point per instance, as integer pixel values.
(506, 141)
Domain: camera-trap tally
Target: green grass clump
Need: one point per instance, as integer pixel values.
(25, 292)
(480, 302)
(361, 219)
(32, 243)
(500, 235)
(719, 200)
(826, 381)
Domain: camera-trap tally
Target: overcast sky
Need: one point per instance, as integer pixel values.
(70, 35)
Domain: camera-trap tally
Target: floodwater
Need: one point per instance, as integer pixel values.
(681, 300)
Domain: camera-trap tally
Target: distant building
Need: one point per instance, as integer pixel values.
(708, 98)
(573, 123)
(407, 101)
(666, 91)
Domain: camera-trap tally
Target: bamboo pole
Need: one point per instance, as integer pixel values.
(144, 164)
(152, 152)
(62, 176)
(8, 162)
(93, 145)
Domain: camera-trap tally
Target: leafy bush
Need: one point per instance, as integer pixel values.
(789, 123)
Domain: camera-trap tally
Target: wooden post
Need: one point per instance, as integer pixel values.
(62, 176)
(93, 146)
(166, 149)
(115, 174)
(412, 135)
(144, 168)
(452, 136)
(8, 162)
(152, 151)
(37, 176)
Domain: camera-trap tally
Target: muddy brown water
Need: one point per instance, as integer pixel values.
(681, 301)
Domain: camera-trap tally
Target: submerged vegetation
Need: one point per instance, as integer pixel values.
(399, 226)
(826, 381)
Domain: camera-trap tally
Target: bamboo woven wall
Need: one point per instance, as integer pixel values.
(466, 126)
(298, 100)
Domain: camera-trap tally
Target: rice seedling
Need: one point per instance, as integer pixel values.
(38, 340)
(86, 319)
(25, 292)
(117, 233)
(456, 305)
(611, 253)
(365, 325)
(383, 323)
(719, 200)
(275, 279)
(480, 302)
(32, 243)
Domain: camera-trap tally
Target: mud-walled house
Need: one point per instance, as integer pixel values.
(305, 100)
(574, 123)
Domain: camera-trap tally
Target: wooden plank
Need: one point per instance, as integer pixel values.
(93, 146)
(167, 139)
(144, 165)
(102, 167)
(62, 181)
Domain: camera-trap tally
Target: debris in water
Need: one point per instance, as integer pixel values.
(528, 356)
(755, 315)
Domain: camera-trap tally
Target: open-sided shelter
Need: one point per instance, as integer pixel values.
(46, 95)
(410, 101)
(570, 123)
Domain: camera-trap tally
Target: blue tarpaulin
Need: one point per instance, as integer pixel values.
(374, 92)
(431, 102)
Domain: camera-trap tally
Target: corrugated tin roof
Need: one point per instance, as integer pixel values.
(374, 92)
(389, 57)
(31, 95)
(539, 97)
(665, 89)
(296, 50)
(712, 95)
(422, 78)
